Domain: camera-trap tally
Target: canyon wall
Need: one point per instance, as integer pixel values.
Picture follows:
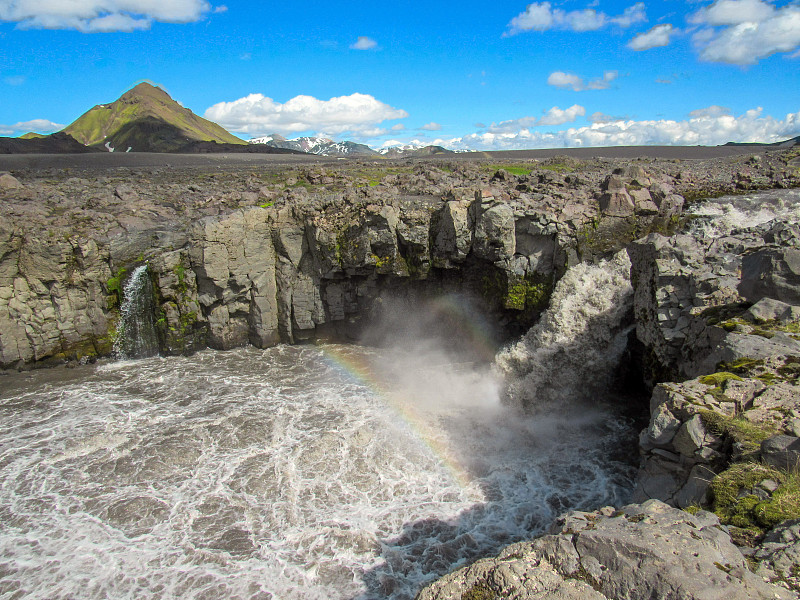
(295, 265)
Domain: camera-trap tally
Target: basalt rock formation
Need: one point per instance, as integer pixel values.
(286, 255)
(717, 316)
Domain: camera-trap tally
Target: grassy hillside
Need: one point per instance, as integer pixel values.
(145, 119)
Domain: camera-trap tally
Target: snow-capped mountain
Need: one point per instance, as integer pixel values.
(315, 145)
(326, 147)
(414, 150)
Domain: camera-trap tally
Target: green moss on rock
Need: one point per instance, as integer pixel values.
(736, 501)
(717, 379)
(480, 591)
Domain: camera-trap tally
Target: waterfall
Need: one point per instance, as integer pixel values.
(136, 331)
(572, 351)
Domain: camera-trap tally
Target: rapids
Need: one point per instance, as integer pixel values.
(327, 472)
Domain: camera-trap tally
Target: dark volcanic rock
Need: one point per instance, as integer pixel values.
(771, 273)
(57, 143)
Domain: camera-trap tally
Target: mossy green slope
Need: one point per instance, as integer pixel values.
(145, 119)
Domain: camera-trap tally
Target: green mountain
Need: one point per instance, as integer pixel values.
(146, 119)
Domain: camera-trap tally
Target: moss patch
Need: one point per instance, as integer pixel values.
(737, 430)
(717, 379)
(530, 293)
(114, 288)
(480, 591)
(736, 503)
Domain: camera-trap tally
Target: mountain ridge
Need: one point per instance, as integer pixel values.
(145, 119)
(327, 147)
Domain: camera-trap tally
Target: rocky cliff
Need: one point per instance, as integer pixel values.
(717, 316)
(291, 253)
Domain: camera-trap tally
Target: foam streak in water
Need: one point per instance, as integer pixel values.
(256, 475)
(718, 217)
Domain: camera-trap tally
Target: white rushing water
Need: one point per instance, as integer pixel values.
(297, 472)
(135, 336)
(571, 353)
(717, 217)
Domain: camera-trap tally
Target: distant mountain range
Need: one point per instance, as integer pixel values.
(327, 147)
(147, 119)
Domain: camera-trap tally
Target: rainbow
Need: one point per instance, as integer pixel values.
(468, 327)
(353, 363)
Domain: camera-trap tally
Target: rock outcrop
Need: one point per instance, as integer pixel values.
(264, 258)
(289, 262)
(641, 551)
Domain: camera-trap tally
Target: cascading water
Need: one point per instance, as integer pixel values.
(136, 335)
(718, 217)
(571, 353)
(329, 471)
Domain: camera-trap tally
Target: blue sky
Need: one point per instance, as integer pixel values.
(466, 75)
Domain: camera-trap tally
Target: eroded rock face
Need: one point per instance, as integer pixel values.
(685, 286)
(642, 551)
(309, 259)
(53, 303)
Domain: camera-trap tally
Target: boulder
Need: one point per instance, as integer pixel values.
(771, 273)
(642, 551)
(617, 204)
(781, 451)
(779, 554)
(769, 309)
(494, 232)
(9, 182)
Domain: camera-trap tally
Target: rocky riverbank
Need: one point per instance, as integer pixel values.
(717, 312)
(294, 252)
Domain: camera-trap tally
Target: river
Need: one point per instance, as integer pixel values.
(327, 471)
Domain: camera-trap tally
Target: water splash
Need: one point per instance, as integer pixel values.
(136, 335)
(257, 474)
(722, 216)
(572, 351)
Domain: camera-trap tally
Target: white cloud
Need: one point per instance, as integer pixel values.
(258, 115)
(220, 9)
(656, 37)
(742, 32)
(100, 15)
(553, 116)
(537, 17)
(598, 117)
(513, 125)
(587, 19)
(733, 12)
(632, 15)
(398, 127)
(556, 116)
(710, 127)
(431, 126)
(712, 111)
(37, 125)
(364, 43)
(541, 16)
(570, 81)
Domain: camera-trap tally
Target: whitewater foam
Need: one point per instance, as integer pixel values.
(274, 474)
(570, 354)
